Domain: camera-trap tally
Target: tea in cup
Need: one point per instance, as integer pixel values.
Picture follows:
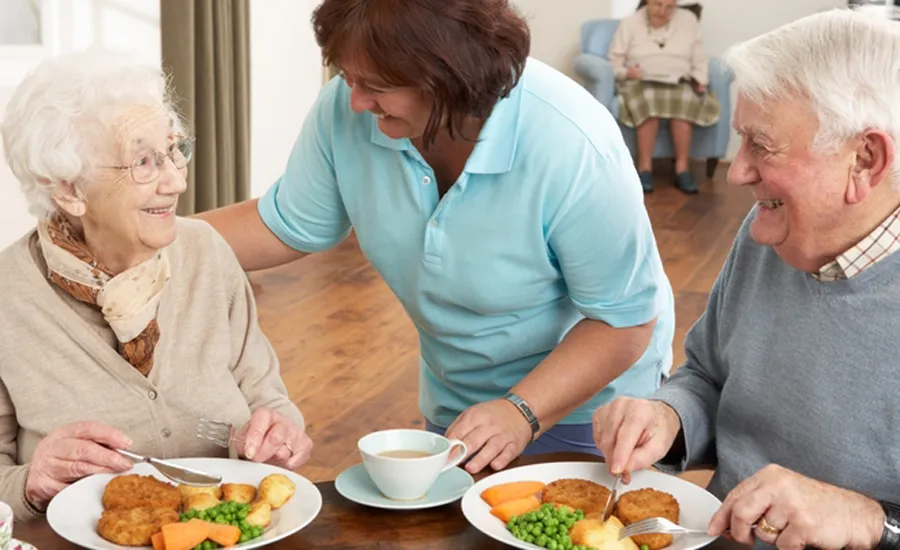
(404, 464)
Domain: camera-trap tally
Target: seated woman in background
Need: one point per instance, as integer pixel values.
(662, 72)
(114, 332)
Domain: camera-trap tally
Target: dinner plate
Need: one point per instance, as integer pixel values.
(697, 505)
(74, 512)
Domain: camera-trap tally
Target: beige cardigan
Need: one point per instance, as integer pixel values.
(58, 362)
(635, 42)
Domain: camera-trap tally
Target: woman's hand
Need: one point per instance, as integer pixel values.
(70, 453)
(792, 512)
(272, 438)
(495, 432)
(633, 434)
(634, 72)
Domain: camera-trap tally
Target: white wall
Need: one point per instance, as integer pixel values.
(286, 75)
(556, 28)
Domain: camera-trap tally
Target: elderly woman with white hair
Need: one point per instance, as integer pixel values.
(122, 324)
(790, 385)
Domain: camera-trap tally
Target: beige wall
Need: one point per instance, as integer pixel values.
(556, 27)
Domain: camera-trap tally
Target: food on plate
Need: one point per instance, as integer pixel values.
(200, 501)
(579, 494)
(648, 503)
(593, 532)
(503, 492)
(507, 510)
(136, 491)
(144, 511)
(260, 514)
(134, 526)
(566, 514)
(276, 489)
(239, 492)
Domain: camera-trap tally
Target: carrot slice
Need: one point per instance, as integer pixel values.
(226, 535)
(511, 508)
(185, 536)
(504, 492)
(158, 542)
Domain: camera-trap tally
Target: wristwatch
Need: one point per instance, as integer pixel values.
(890, 536)
(526, 411)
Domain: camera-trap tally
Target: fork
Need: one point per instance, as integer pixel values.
(658, 525)
(222, 434)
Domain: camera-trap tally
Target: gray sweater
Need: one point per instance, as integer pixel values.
(784, 369)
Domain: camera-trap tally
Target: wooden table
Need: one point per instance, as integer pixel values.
(345, 525)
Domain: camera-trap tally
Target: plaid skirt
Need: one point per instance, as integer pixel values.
(640, 100)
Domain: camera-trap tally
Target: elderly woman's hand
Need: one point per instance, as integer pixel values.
(792, 511)
(272, 438)
(495, 432)
(70, 453)
(633, 434)
(634, 72)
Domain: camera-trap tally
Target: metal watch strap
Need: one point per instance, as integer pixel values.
(890, 536)
(526, 411)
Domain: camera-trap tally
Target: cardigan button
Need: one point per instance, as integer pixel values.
(166, 432)
(151, 394)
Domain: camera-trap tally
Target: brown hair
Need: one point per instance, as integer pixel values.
(466, 54)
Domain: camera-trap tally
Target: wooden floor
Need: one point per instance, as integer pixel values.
(349, 353)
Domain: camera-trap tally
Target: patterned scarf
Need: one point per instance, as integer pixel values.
(128, 301)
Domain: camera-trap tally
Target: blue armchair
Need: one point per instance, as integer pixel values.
(597, 74)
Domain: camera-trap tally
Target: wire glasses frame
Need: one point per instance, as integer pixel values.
(145, 169)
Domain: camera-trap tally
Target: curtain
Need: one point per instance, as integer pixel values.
(206, 51)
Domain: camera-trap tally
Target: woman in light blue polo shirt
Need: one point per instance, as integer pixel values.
(498, 201)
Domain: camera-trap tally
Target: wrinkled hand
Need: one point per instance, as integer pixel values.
(274, 439)
(495, 433)
(700, 88)
(633, 434)
(70, 453)
(806, 512)
(634, 72)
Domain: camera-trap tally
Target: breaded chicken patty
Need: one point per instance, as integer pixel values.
(136, 491)
(579, 494)
(134, 526)
(641, 504)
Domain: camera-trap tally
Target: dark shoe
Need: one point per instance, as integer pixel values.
(685, 182)
(646, 181)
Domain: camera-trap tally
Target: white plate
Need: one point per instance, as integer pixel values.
(74, 512)
(696, 504)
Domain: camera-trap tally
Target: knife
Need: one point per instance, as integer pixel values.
(611, 500)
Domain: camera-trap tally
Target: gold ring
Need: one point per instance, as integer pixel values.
(288, 447)
(766, 528)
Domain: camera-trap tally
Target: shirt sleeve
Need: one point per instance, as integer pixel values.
(12, 475)
(304, 207)
(699, 60)
(618, 49)
(254, 365)
(695, 388)
(603, 242)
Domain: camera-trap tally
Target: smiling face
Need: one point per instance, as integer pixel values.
(125, 221)
(803, 196)
(402, 112)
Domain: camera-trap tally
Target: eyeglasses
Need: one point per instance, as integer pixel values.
(145, 169)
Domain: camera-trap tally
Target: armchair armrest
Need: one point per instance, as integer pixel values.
(720, 78)
(598, 76)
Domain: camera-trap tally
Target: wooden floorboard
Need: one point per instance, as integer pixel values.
(349, 354)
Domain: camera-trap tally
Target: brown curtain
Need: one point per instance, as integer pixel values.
(206, 50)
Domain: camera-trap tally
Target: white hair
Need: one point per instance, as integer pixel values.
(61, 112)
(844, 62)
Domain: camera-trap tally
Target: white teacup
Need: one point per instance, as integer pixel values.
(404, 464)
(6, 525)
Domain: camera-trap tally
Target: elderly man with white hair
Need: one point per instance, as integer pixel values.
(122, 324)
(790, 386)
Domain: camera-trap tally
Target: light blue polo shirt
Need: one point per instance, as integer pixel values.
(545, 226)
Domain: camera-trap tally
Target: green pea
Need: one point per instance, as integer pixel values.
(537, 529)
(645, 547)
(552, 545)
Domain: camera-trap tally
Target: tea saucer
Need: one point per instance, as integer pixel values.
(355, 484)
